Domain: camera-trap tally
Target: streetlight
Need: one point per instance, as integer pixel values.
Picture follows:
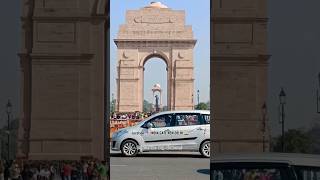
(264, 114)
(282, 99)
(9, 110)
(318, 95)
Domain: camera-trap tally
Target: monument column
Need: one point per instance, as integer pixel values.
(238, 74)
(63, 61)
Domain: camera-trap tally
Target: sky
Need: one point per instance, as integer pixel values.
(154, 69)
(293, 42)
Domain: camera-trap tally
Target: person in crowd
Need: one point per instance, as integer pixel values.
(1, 170)
(76, 171)
(90, 170)
(85, 170)
(95, 172)
(103, 170)
(26, 173)
(44, 173)
(35, 172)
(53, 172)
(67, 171)
(6, 172)
(15, 171)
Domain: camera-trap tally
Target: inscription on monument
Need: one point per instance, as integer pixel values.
(60, 3)
(56, 32)
(233, 33)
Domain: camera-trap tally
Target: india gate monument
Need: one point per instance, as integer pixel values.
(65, 73)
(155, 31)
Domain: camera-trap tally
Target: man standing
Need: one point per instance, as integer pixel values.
(103, 170)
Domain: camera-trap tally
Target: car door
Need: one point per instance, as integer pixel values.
(158, 137)
(187, 131)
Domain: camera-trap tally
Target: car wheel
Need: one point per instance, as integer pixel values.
(205, 149)
(129, 148)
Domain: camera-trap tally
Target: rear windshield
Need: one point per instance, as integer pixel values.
(249, 172)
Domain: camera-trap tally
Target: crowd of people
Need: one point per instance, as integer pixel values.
(126, 116)
(54, 170)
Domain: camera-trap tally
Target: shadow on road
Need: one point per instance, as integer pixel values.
(161, 155)
(204, 171)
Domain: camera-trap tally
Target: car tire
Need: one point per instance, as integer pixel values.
(205, 149)
(129, 148)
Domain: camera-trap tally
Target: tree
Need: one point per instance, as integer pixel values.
(314, 134)
(147, 107)
(202, 106)
(208, 104)
(112, 105)
(295, 141)
(14, 125)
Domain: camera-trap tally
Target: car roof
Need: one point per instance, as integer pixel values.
(184, 111)
(289, 158)
(173, 112)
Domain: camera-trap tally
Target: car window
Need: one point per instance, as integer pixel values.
(187, 119)
(161, 121)
(247, 174)
(307, 173)
(206, 118)
(251, 171)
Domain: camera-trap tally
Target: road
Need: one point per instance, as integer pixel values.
(160, 166)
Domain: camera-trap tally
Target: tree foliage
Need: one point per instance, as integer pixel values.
(202, 106)
(147, 107)
(314, 134)
(295, 141)
(14, 124)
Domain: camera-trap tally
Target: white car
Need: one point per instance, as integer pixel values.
(166, 131)
(265, 166)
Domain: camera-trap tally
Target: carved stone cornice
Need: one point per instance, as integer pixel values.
(242, 59)
(71, 18)
(245, 20)
(61, 56)
(155, 43)
(63, 59)
(62, 139)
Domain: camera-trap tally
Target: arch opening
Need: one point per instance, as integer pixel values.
(155, 84)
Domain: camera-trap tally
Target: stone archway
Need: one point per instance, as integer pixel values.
(165, 60)
(155, 31)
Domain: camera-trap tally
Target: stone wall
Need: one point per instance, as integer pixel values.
(63, 83)
(239, 62)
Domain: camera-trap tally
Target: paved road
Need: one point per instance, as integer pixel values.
(160, 166)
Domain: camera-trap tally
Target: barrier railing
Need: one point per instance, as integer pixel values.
(116, 124)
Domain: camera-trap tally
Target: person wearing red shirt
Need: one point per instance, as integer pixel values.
(67, 171)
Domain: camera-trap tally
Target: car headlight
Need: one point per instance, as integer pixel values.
(120, 133)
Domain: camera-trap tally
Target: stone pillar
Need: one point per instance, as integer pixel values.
(239, 74)
(63, 79)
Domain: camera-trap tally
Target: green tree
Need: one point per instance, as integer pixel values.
(147, 107)
(295, 141)
(314, 134)
(14, 124)
(112, 106)
(202, 106)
